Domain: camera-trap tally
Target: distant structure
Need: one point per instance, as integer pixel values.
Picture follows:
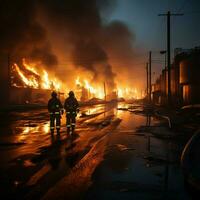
(17, 95)
(112, 96)
(185, 81)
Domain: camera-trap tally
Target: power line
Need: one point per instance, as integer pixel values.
(182, 6)
(192, 12)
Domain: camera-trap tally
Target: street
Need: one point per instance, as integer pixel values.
(118, 152)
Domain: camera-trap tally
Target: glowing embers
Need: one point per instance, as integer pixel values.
(30, 76)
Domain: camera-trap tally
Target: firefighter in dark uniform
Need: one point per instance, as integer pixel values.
(71, 107)
(55, 109)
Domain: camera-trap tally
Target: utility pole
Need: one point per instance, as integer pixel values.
(147, 70)
(104, 85)
(165, 68)
(169, 14)
(150, 76)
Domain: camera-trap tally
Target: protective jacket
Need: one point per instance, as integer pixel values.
(55, 108)
(71, 106)
(54, 105)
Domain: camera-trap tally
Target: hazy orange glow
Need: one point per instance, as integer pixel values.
(129, 93)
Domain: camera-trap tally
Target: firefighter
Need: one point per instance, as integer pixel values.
(55, 109)
(71, 107)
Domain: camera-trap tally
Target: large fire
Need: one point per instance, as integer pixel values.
(129, 93)
(92, 91)
(29, 75)
(100, 92)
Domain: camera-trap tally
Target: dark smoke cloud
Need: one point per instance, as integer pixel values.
(95, 45)
(21, 34)
(118, 42)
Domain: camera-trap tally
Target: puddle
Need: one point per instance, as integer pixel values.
(122, 147)
(143, 167)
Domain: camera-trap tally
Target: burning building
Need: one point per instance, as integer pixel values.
(25, 83)
(28, 75)
(60, 46)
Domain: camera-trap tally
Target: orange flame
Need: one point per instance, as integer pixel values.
(77, 81)
(28, 67)
(35, 79)
(129, 93)
(92, 91)
(32, 77)
(31, 81)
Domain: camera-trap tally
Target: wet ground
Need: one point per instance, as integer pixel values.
(117, 153)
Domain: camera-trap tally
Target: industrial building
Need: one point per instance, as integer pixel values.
(11, 95)
(185, 81)
(28, 96)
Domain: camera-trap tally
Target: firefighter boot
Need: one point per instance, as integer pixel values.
(52, 131)
(73, 130)
(68, 130)
(58, 131)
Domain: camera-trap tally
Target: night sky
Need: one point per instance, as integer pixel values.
(150, 30)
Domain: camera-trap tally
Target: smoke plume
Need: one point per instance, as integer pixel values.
(22, 35)
(43, 30)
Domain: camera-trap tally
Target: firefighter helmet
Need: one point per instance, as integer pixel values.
(54, 94)
(71, 93)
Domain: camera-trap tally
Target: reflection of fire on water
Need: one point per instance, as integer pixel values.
(27, 130)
